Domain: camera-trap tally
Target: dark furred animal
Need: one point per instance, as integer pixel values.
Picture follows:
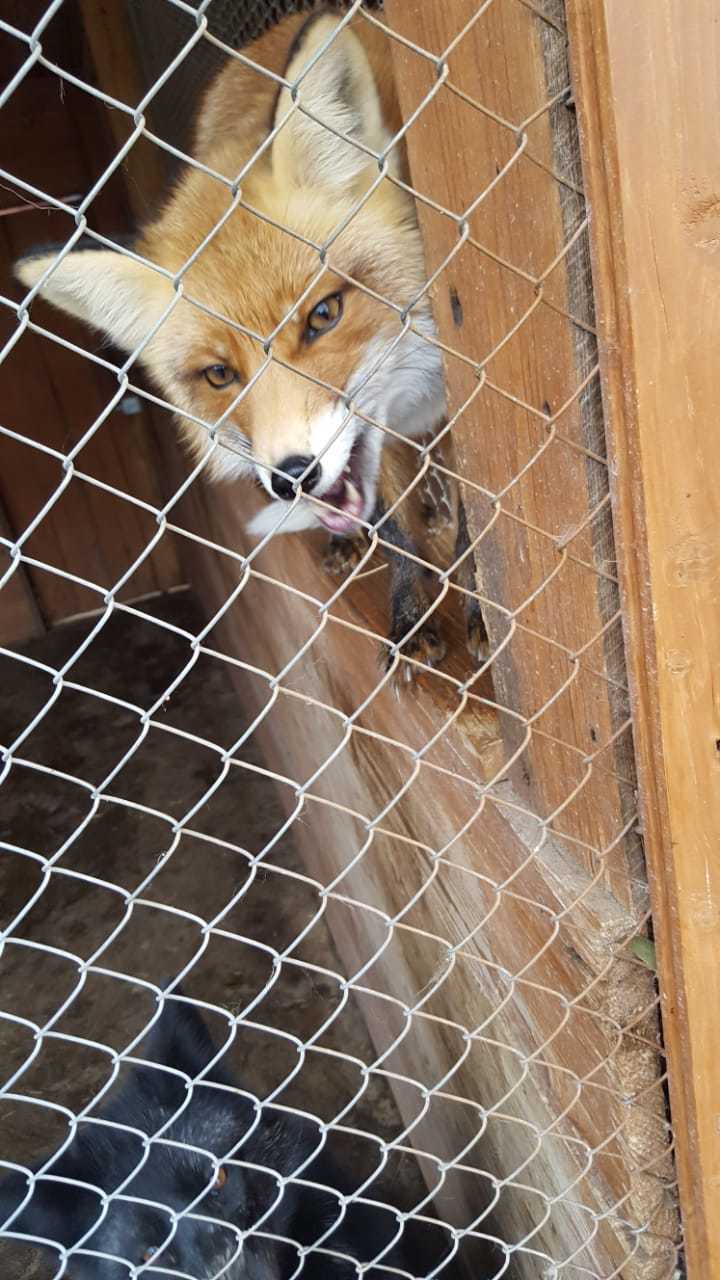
(213, 1170)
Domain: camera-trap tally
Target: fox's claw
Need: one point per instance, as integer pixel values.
(425, 646)
(343, 555)
(478, 642)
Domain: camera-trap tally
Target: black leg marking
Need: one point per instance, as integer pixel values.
(409, 602)
(477, 636)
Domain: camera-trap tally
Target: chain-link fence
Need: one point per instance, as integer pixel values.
(365, 305)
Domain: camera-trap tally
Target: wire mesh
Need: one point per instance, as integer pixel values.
(521, 1042)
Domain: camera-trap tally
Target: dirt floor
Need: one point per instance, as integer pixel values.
(128, 897)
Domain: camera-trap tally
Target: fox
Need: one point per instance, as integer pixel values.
(279, 302)
(181, 1172)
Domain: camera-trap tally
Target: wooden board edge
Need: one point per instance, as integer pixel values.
(591, 76)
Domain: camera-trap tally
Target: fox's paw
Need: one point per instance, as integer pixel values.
(426, 646)
(343, 555)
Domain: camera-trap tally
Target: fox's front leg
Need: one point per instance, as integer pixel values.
(477, 636)
(409, 602)
(408, 597)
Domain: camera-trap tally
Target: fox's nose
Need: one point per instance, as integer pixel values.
(294, 467)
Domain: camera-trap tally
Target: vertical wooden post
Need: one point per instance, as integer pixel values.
(648, 94)
(115, 56)
(483, 150)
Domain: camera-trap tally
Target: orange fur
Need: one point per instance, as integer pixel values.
(253, 272)
(284, 215)
(270, 250)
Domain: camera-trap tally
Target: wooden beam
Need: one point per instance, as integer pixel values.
(528, 440)
(646, 91)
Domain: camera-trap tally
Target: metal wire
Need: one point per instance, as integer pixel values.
(206, 30)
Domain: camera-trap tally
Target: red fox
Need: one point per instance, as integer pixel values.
(278, 299)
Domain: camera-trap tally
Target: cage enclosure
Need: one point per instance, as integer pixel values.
(359, 911)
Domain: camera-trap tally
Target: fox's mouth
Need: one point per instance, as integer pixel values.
(347, 499)
(341, 508)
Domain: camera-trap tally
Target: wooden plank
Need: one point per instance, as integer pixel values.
(543, 559)
(526, 998)
(524, 995)
(645, 93)
(506, 286)
(49, 394)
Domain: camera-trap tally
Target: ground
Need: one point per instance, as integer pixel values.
(128, 898)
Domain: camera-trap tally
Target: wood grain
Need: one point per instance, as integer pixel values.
(543, 559)
(645, 96)
(494, 938)
(117, 67)
(51, 395)
(484, 955)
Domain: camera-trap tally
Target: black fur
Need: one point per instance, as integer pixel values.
(294, 48)
(466, 576)
(218, 1126)
(409, 595)
(303, 32)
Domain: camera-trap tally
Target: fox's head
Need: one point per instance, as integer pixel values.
(166, 1180)
(287, 323)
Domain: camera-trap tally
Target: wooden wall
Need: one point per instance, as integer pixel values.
(484, 877)
(488, 957)
(60, 144)
(645, 97)
(492, 927)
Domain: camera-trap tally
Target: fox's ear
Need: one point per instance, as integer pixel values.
(340, 90)
(180, 1039)
(119, 296)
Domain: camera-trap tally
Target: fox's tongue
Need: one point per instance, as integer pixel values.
(347, 499)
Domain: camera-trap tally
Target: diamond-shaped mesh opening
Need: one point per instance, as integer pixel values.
(326, 940)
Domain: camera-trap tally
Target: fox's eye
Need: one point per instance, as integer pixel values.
(324, 316)
(220, 1178)
(219, 375)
